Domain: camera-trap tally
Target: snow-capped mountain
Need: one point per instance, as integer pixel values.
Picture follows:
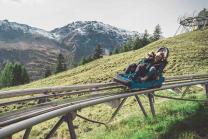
(84, 27)
(38, 49)
(6, 26)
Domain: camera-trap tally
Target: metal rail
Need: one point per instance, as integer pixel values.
(50, 107)
(35, 91)
(59, 95)
(16, 93)
(16, 127)
(5, 122)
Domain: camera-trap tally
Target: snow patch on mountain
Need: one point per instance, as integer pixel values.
(84, 27)
(8, 26)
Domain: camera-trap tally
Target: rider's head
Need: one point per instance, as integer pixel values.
(159, 56)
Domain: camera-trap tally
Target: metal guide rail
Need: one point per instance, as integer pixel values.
(25, 119)
(77, 89)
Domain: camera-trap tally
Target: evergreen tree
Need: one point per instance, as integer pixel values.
(47, 72)
(60, 65)
(137, 43)
(25, 76)
(17, 71)
(116, 51)
(125, 48)
(145, 38)
(14, 74)
(98, 52)
(203, 13)
(89, 59)
(157, 33)
(83, 61)
(7, 75)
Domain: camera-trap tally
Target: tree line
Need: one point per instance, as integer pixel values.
(132, 44)
(13, 74)
(140, 41)
(98, 53)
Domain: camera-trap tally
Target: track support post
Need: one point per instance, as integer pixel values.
(140, 105)
(151, 101)
(27, 133)
(117, 110)
(206, 89)
(69, 120)
(43, 100)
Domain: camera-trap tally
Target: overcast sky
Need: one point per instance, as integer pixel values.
(136, 15)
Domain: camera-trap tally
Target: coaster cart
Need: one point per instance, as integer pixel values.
(126, 79)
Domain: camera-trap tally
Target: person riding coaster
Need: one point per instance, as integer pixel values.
(147, 73)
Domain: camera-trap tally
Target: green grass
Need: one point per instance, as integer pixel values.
(188, 54)
(174, 120)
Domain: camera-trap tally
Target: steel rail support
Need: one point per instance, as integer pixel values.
(206, 89)
(43, 100)
(117, 110)
(53, 130)
(27, 133)
(185, 91)
(69, 120)
(140, 105)
(151, 101)
(177, 90)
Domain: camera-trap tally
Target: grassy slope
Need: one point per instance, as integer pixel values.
(188, 54)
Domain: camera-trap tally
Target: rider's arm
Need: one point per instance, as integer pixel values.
(161, 68)
(151, 72)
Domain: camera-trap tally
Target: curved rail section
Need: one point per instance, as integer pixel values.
(76, 97)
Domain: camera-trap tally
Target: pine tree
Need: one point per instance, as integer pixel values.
(17, 71)
(145, 38)
(83, 61)
(137, 43)
(203, 13)
(47, 72)
(157, 33)
(25, 76)
(89, 59)
(14, 74)
(116, 51)
(61, 65)
(98, 52)
(7, 76)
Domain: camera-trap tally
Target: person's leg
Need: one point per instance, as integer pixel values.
(131, 68)
(140, 70)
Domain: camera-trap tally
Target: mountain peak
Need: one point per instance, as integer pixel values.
(86, 27)
(7, 26)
